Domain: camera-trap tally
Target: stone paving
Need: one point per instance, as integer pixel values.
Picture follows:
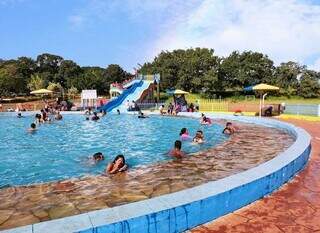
(24, 205)
(295, 208)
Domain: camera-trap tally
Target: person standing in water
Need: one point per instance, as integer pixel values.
(229, 129)
(176, 151)
(199, 138)
(95, 117)
(58, 116)
(33, 128)
(184, 134)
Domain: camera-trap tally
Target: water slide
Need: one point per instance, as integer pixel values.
(133, 92)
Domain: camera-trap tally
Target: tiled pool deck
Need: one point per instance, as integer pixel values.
(36, 203)
(295, 208)
(183, 209)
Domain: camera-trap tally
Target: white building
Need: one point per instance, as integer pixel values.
(89, 98)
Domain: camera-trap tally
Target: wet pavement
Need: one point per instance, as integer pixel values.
(295, 208)
(24, 205)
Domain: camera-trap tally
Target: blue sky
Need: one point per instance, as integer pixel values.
(127, 32)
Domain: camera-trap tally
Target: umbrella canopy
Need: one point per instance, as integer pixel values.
(41, 92)
(177, 92)
(261, 87)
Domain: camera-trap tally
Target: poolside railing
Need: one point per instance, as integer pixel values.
(303, 109)
(221, 105)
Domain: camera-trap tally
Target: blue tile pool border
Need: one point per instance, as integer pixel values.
(186, 209)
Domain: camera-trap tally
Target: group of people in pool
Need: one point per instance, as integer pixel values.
(94, 115)
(198, 138)
(46, 115)
(229, 128)
(119, 163)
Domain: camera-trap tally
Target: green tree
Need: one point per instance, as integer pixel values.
(12, 81)
(309, 84)
(239, 70)
(67, 71)
(6, 84)
(286, 77)
(55, 87)
(114, 73)
(26, 67)
(72, 92)
(211, 83)
(91, 78)
(183, 68)
(48, 64)
(36, 83)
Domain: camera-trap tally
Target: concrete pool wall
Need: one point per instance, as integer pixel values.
(177, 212)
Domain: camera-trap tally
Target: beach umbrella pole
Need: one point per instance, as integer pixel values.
(263, 98)
(260, 106)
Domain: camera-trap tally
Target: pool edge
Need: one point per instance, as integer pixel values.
(188, 208)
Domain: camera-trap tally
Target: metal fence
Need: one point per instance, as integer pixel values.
(150, 106)
(303, 109)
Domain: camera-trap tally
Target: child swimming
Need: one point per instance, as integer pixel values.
(184, 134)
(33, 127)
(229, 129)
(199, 138)
(118, 165)
(205, 120)
(98, 157)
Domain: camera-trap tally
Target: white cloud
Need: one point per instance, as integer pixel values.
(284, 30)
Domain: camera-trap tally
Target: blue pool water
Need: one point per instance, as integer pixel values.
(61, 149)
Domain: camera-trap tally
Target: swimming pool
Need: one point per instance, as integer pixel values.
(60, 150)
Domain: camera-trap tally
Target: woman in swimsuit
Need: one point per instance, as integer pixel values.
(118, 165)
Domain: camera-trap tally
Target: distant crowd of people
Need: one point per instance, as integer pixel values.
(174, 109)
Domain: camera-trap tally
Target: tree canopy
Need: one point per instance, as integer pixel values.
(53, 72)
(198, 70)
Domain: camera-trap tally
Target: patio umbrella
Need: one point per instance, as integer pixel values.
(41, 92)
(261, 88)
(177, 92)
